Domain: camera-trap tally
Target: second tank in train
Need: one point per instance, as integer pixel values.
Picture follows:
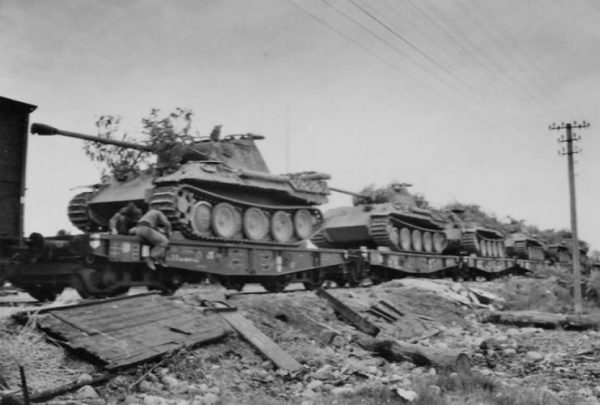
(397, 224)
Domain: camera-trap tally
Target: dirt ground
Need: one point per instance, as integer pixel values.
(552, 366)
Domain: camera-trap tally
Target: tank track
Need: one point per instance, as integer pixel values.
(165, 198)
(79, 213)
(381, 235)
(319, 241)
(472, 243)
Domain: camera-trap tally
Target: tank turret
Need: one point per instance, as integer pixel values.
(218, 188)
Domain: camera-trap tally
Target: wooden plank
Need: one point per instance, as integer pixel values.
(261, 341)
(349, 314)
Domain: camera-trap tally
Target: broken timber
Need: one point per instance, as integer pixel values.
(419, 355)
(348, 314)
(542, 319)
(258, 339)
(125, 331)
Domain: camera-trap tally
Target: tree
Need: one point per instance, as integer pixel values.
(115, 160)
(164, 135)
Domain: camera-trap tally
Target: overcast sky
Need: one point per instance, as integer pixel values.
(454, 97)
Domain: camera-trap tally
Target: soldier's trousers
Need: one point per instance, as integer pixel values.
(157, 240)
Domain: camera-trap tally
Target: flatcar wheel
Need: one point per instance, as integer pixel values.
(427, 242)
(79, 286)
(43, 293)
(200, 218)
(256, 224)
(226, 221)
(275, 284)
(120, 291)
(316, 279)
(439, 242)
(231, 283)
(303, 224)
(405, 239)
(282, 227)
(417, 240)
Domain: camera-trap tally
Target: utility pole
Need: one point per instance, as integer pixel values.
(569, 138)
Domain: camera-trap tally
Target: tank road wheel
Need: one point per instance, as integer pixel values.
(275, 284)
(417, 240)
(282, 227)
(439, 242)
(256, 224)
(483, 248)
(501, 250)
(303, 223)
(200, 218)
(226, 221)
(427, 242)
(393, 236)
(405, 239)
(489, 248)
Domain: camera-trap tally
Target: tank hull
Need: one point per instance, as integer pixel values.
(382, 225)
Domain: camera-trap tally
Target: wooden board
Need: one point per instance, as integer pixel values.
(349, 314)
(261, 341)
(126, 331)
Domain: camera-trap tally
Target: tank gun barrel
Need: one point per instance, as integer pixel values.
(43, 129)
(353, 194)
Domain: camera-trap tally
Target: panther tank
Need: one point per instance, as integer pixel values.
(217, 189)
(471, 238)
(563, 252)
(397, 224)
(523, 246)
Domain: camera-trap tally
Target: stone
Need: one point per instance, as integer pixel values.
(309, 394)
(435, 390)
(307, 402)
(407, 395)
(210, 399)
(87, 392)
(181, 401)
(418, 371)
(84, 378)
(154, 400)
(131, 400)
(534, 356)
(171, 382)
(324, 373)
(372, 370)
(314, 385)
(509, 352)
(345, 390)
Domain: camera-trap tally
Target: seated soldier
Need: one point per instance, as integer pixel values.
(125, 219)
(148, 229)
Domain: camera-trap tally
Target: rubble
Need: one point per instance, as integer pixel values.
(232, 371)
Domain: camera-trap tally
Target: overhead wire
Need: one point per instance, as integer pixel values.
(387, 62)
(405, 40)
(468, 11)
(413, 46)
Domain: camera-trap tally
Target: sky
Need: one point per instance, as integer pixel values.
(454, 97)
